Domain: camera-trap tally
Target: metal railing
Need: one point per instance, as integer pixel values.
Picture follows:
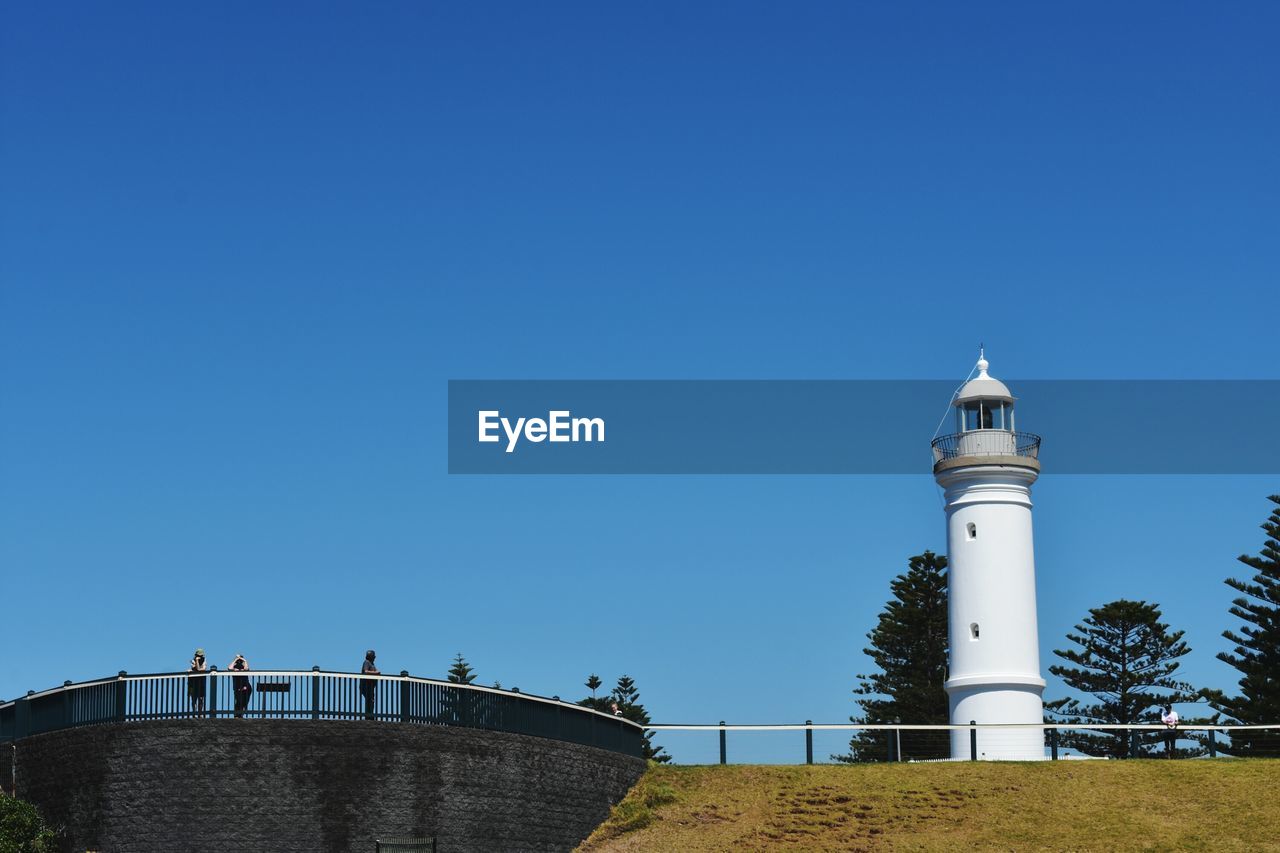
(1007, 741)
(408, 844)
(986, 442)
(313, 695)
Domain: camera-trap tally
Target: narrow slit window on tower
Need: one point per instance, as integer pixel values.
(973, 530)
(973, 630)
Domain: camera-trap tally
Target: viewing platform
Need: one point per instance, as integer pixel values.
(313, 695)
(296, 761)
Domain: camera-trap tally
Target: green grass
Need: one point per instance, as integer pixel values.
(1064, 805)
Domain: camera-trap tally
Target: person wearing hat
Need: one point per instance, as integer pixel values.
(240, 684)
(369, 686)
(196, 683)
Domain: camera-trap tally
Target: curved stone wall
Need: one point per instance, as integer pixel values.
(302, 785)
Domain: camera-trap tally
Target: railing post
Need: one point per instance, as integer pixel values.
(122, 692)
(808, 742)
(315, 692)
(724, 753)
(1133, 743)
(406, 699)
(66, 704)
(1053, 743)
(212, 707)
(973, 740)
(21, 717)
(1213, 744)
(891, 739)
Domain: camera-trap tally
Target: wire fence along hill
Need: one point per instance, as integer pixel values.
(985, 742)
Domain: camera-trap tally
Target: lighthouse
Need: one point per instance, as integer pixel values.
(986, 469)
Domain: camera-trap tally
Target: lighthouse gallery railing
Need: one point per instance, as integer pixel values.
(986, 442)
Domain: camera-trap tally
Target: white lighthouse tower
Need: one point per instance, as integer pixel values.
(986, 470)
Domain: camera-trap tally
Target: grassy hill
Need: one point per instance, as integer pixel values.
(1065, 805)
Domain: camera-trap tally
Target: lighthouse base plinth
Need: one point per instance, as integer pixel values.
(1009, 713)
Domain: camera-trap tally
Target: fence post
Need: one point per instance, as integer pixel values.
(315, 692)
(406, 700)
(1053, 743)
(973, 740)
(1213, 744)
(122, 691)
(212, 709)
(1133, 743)
(808, 742)
(723, 746)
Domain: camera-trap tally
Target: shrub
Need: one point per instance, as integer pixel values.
(21, 828)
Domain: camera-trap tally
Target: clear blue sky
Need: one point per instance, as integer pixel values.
(244, 247)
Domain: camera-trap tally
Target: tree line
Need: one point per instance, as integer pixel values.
(623, 701)
(1121, 659)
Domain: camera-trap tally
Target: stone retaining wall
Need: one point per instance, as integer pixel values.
(302, 785)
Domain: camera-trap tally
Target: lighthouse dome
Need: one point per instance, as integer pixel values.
(983, 387)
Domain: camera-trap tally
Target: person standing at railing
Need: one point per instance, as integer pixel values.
(240, 684)
(1170, 720)
(196, 683)
(369, 686)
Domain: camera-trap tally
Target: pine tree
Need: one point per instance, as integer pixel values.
(461, 671)
(1257, 646)
(461, 707)
(1125, 662)
(625, 692)
(595, 703)
(909, 645)
(627, 697)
